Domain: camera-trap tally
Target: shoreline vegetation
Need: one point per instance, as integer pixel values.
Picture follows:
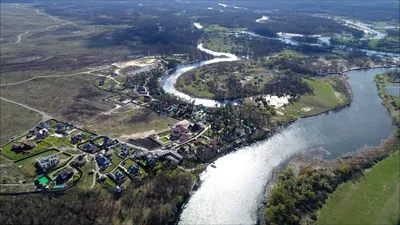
(102, 36)
(298, 192)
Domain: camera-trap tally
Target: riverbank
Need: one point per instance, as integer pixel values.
(375, 194)
(354, 161)
(343, 169)
(189, 216)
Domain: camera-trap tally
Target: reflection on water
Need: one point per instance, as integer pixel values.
(232, 192)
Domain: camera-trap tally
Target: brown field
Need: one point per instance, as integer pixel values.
(15, 120)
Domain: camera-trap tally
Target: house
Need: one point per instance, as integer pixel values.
(141, 90)
(102, 161)
(89, 147)
(195, 127)
(173, 157)
(64, 175)
(133, 169)
(118, 189)
(77, 138)
(31, 133)
(44, 125)
(119, 177)
(22, 147)
(150, 162)
(124, 152)
(111, 176)
(107, 142)
(80, 161)
(42, 134)
(177, 132)
(48, 162)
(60, 128)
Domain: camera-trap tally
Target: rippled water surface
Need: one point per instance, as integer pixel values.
(232, 192)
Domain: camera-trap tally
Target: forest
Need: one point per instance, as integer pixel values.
(296, 197)
(156, 201)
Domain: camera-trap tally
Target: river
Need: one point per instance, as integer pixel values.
(168, 82)
(232, 192)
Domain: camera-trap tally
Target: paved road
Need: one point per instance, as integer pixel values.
(56, 76)
(45, 116)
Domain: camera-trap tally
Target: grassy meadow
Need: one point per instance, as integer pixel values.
(374, 199)
(324, 98)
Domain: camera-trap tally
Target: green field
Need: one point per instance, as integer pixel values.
(324, 98)
(6, 151)
(29, 163)
(164, 140)
(374, 199)
(86, 180)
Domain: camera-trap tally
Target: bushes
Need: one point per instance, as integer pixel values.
(295, 198)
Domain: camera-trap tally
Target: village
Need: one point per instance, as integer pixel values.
(56, 154)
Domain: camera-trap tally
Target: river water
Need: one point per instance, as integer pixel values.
(168, 82)
(232, 192)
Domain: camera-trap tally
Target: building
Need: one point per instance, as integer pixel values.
(48, 162)
(23, 147)
(173, 157)
(80, 161)
(177, 132)
(195, 127)
(42, 134)
(150, 162)
(89, 147)
(133, 169)
(124, 152)
(77, 138)
(141, 90)
(102, 161)
(119, 177)
(64, 175)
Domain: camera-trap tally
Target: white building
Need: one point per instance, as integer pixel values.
(48, 161)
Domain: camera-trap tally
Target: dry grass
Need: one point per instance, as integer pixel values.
(73, 99)
(127, 122)
(15, 120)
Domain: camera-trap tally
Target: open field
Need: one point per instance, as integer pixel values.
(19, 19)
(86, 180)
(15, 120)
(72, 99)
(128, 122)
(374, 199)
(324, 98)
(36, 44)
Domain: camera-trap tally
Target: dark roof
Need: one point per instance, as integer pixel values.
(65, 174)
(132, 169)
